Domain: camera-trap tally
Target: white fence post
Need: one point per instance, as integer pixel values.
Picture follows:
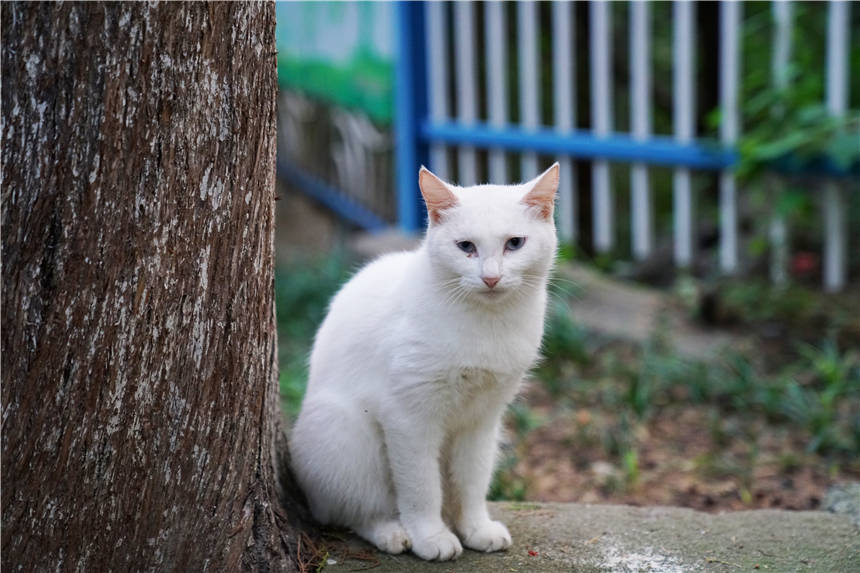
(464, 34)
(563, 72)
(640, 97)
(601, 109)
(437, 48)
(529, 64)
(497, 85)
(730, 24)
(778, 231)
(837, 98)
(683, 118)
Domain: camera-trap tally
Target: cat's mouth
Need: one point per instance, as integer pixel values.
(493, 292)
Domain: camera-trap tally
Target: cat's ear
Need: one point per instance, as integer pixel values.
(437, 194)
(541, 196)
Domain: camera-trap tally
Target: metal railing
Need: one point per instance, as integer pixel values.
(430, 122)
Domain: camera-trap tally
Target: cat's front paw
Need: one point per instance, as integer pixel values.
(487, 536)
(441, 546)
(387, 535)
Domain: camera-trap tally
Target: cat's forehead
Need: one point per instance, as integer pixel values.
(490, 210)
(489, 189)
(496, 197)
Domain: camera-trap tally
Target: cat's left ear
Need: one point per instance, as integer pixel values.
(542, 193)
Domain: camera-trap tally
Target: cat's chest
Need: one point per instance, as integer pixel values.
(480, 347)
(473, 380)
(477, 392)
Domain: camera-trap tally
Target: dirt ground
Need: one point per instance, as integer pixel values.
(681, 460)
(682, 453)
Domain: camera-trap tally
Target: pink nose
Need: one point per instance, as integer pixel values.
(491, 281)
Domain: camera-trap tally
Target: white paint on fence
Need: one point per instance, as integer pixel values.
(562, 66)
(601, 109)
(730, 26)
(497, 76)
(837, 98)
(437, 50)
(837, 57)
(563, 72)
(529, 65)
(464, 63)
(640, 97)
(778, 231)
(834, 238)
(683, 117)
(781, 43)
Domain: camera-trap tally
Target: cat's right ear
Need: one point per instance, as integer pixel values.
(437, 195)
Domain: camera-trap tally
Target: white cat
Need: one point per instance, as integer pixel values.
(414, 365)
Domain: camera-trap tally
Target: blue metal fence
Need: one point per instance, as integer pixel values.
(423, 123)
(411, 102)
(437, 111)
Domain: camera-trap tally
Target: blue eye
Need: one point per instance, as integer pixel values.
(515, 243)
(467, 247)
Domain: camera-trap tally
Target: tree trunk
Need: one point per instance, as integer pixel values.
(141, 423)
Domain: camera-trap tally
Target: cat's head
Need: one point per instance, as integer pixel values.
(489, 243)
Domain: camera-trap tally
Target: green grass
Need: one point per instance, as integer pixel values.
(813, 390)
(506, 485)
(302, 294)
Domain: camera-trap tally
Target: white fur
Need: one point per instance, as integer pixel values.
(411, 372)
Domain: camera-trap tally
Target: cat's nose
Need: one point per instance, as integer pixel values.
(491, 281)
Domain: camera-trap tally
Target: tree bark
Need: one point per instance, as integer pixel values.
(141, 423)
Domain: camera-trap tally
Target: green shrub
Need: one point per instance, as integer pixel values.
(302, 294)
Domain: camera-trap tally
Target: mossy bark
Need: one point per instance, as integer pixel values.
(141, 423)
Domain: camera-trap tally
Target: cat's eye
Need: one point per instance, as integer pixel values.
(515, 243)
(467, 247)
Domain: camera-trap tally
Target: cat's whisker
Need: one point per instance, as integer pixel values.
(464, 294)
(557, 277)
(449, 283)
(453, 297)
(456, 295)
(563, 282)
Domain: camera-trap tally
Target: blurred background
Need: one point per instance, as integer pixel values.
(703, 339)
